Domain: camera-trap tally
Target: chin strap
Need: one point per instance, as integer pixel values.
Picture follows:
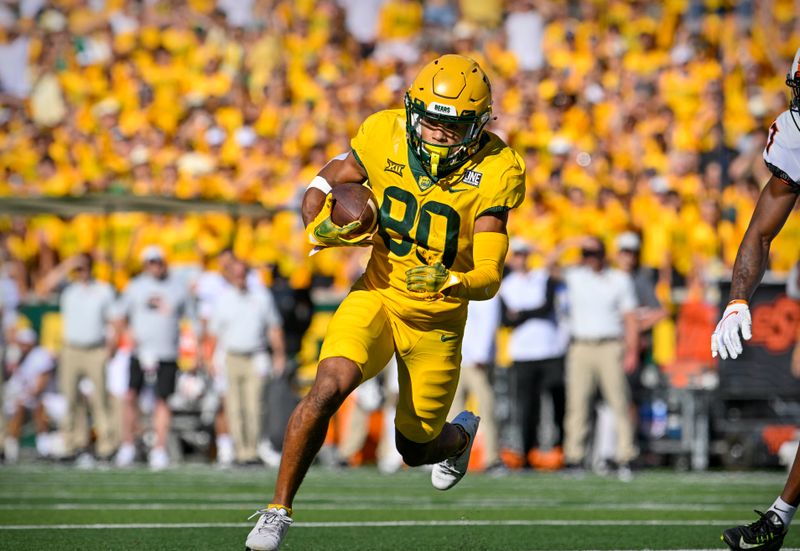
(434, 164)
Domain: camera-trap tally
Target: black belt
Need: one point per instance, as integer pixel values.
(100, 344)
(243, 354)
(598, 340)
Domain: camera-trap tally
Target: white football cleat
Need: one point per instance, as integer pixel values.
(125, 455)
(447, 473)
(268, 454)
(158, 459)
(85, 461)
(269, 531)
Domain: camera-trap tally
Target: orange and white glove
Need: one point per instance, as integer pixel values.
(725, 340)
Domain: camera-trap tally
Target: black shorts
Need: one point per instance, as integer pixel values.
(166, 374)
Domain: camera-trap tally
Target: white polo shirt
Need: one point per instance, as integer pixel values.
(86, 309)
(240, 319)
(538, 338)
(483, 319)
(598, 301)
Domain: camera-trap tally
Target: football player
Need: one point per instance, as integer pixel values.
(444, 187)
(782, 155)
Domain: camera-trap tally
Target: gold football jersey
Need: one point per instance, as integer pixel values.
(416, 212)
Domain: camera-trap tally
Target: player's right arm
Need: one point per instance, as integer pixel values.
(773, 208)
(317, 203)
(341, 169)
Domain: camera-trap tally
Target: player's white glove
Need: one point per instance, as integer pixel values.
(725, 340)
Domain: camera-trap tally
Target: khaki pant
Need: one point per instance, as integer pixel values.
(243, 405)
(475, 381)
(2, 393)
(357, 429)
(115, 404)
(589, 366)
(77, 363)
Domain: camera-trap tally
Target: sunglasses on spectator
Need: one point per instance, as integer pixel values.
(591, 253)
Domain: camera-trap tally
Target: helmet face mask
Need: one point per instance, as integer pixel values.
(439, 158)
(793, 82)
(452, 96)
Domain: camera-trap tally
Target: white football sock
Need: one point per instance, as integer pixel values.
(11, 449)
(225, 449)
(43, 444)
(783, 510)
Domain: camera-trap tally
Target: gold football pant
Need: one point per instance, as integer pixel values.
(428, 358)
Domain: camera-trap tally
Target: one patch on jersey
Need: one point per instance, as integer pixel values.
(424, 183)
(393, 167)
(472, 178)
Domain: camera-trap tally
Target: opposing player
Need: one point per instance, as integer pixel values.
(444, 186)
(782, 155)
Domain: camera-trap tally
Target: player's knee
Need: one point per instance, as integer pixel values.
(413, 453)
(326, 395)
(334, 382)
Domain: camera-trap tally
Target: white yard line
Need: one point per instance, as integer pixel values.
(387, 505)
(372, 524)
(310, 499)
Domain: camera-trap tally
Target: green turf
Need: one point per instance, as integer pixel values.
(517, 512)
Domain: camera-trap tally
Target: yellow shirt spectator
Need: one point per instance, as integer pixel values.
(400, 20)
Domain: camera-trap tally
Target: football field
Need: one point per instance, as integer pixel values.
(198, 507)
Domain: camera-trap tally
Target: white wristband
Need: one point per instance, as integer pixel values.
(321, 184)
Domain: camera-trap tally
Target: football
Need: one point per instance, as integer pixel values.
(353, 202)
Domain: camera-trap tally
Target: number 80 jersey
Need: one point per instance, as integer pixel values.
(423, 218)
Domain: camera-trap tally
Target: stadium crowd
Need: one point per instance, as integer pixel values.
(629, 115)
(637, 116)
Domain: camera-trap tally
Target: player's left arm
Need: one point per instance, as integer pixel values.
(489, 243)
(489, 248)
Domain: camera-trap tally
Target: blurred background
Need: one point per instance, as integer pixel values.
(195, 126)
